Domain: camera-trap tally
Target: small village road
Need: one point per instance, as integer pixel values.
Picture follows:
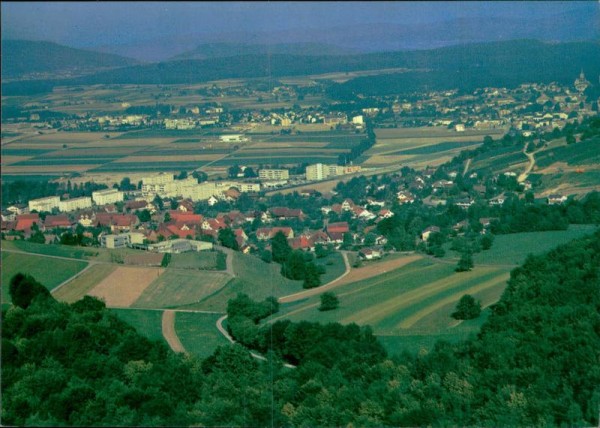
(318, 290)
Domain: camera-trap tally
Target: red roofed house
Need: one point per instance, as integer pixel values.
(336, 231)
(54, 221)
(186, 217)
(240, 237)
(117, 222)
(213, 224)
(25, 221)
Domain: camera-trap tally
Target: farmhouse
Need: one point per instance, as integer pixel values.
(370, 253)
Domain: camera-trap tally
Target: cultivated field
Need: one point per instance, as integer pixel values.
(154, 150)
(77, 288)
(50, 272)
(414, 300)
(144, 259)
(177, 287)
(125, 285)
(419, 147)
(255, 278)
(204, 260)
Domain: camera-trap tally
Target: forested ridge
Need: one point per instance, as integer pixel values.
(507, 63)
(534, 362)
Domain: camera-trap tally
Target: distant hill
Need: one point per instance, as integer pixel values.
(219, 50)
(499, 64)
(24, 57)
(462, 67)
(486, 63)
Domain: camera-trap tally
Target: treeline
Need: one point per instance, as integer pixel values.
(533, 363)
(295, 264)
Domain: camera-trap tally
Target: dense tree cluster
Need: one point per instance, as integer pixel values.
(533, 363)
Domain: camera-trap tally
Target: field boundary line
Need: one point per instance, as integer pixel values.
(77, 275)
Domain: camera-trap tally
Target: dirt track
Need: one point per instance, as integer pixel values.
(168, 331)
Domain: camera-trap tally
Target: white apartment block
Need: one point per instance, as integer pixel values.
(248, 187)
(317, 172)
(108, 196)
(44, 204)
(274, 174)
(165, 186)
(75, 204)
(321, 171)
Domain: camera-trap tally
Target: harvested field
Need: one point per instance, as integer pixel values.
(125, 285)
(77, 288)
(146, 259)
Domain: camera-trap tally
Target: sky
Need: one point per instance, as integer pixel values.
(81, 24)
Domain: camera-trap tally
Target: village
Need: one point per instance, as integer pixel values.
(528, 108)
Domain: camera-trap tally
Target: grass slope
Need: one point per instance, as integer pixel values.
(198, 333)
(48, 271)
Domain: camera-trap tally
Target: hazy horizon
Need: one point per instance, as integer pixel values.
(95, 24)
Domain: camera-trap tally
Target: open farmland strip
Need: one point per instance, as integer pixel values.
(378, 312)
(83, 284)
(410, 321)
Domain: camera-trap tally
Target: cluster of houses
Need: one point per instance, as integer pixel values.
(115, 229)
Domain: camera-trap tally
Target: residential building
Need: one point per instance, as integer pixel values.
(75, 204)
(274, 174)
(44, 204)
(108, 196)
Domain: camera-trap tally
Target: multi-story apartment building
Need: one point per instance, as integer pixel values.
(274, 174)
(44, 204)
(75, 204)
(108, 196)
